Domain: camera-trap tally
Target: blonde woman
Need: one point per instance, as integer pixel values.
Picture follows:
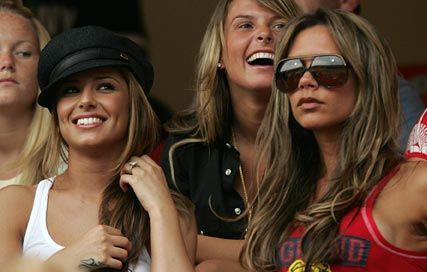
(337, 194)
(24, 125)
(210, 154)
(109, 209)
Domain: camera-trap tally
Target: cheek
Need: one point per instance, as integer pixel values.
(348, 107)
(276, 35)
(293, 100)
(120, 105)
(346, 97)
(62, 109)
(234, 46)
(29, 76)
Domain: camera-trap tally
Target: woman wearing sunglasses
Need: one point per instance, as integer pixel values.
(110, 209)
(210, 154)
(337, 195)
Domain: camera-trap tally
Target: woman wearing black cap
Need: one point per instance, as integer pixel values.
(110, 208)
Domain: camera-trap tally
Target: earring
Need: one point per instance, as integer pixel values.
(220, 66)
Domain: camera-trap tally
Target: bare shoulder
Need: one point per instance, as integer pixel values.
(17, 193)
(15, 208)
(16, 202)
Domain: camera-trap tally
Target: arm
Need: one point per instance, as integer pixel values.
(170, 250)
(101, 247)
(173, 247)
(188, 227)
(15, 208)
(217, 248)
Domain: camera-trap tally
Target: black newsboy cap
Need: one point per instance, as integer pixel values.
(84, 48)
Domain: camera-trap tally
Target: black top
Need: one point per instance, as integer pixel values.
(204, 172)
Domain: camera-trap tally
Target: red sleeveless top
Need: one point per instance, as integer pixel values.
(363, 248)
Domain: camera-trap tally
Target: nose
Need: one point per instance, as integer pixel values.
(265, 35)
(7, 62)
(87, 99)
(307, 81)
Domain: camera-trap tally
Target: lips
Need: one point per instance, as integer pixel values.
(8, 80)
(309, 103)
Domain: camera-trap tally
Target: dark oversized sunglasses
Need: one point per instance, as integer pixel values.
(330, 71)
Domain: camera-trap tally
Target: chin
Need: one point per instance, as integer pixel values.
(321, 125)
(260, 86)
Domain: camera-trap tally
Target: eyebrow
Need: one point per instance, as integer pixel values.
(25, 43)
(243, 16)
(103, 77)
(100, 77)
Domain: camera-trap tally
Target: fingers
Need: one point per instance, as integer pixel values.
(149, 161)
(121, 242)
(128, 167)
(140, 162)
(103, 246)
(116, 249)
(142, 167)
(110, 230)
(119, 253)
(117, 237)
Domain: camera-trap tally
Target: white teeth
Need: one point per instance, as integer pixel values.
(261, 55)
(89, 121)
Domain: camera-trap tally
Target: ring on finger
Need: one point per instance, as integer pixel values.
(132, 164)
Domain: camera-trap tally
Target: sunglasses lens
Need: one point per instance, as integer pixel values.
(329, 71)
(288, 74)
(330, 76)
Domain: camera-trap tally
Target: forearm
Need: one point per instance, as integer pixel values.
(63, 263)
(217, 248)
(168, 251)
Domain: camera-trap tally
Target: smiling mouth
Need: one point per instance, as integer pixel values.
(261, 58)
(88, 121)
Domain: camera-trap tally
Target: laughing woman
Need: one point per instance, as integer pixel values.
(110, 208)
(337, 194)
(210, 154)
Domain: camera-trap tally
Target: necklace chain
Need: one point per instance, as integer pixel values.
(242, 179)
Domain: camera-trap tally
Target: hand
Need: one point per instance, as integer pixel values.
(148, 181)
(101, 247)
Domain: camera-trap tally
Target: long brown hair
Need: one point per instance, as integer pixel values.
(119, 209)
(368, 149)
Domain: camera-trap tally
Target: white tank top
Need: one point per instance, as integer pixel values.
(37, 240)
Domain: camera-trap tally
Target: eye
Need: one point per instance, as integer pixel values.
(24, 54)
(245, 25)
(106, 87)
(69, 91)
(279, 25)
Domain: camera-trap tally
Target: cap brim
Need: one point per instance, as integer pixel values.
(48, 96)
